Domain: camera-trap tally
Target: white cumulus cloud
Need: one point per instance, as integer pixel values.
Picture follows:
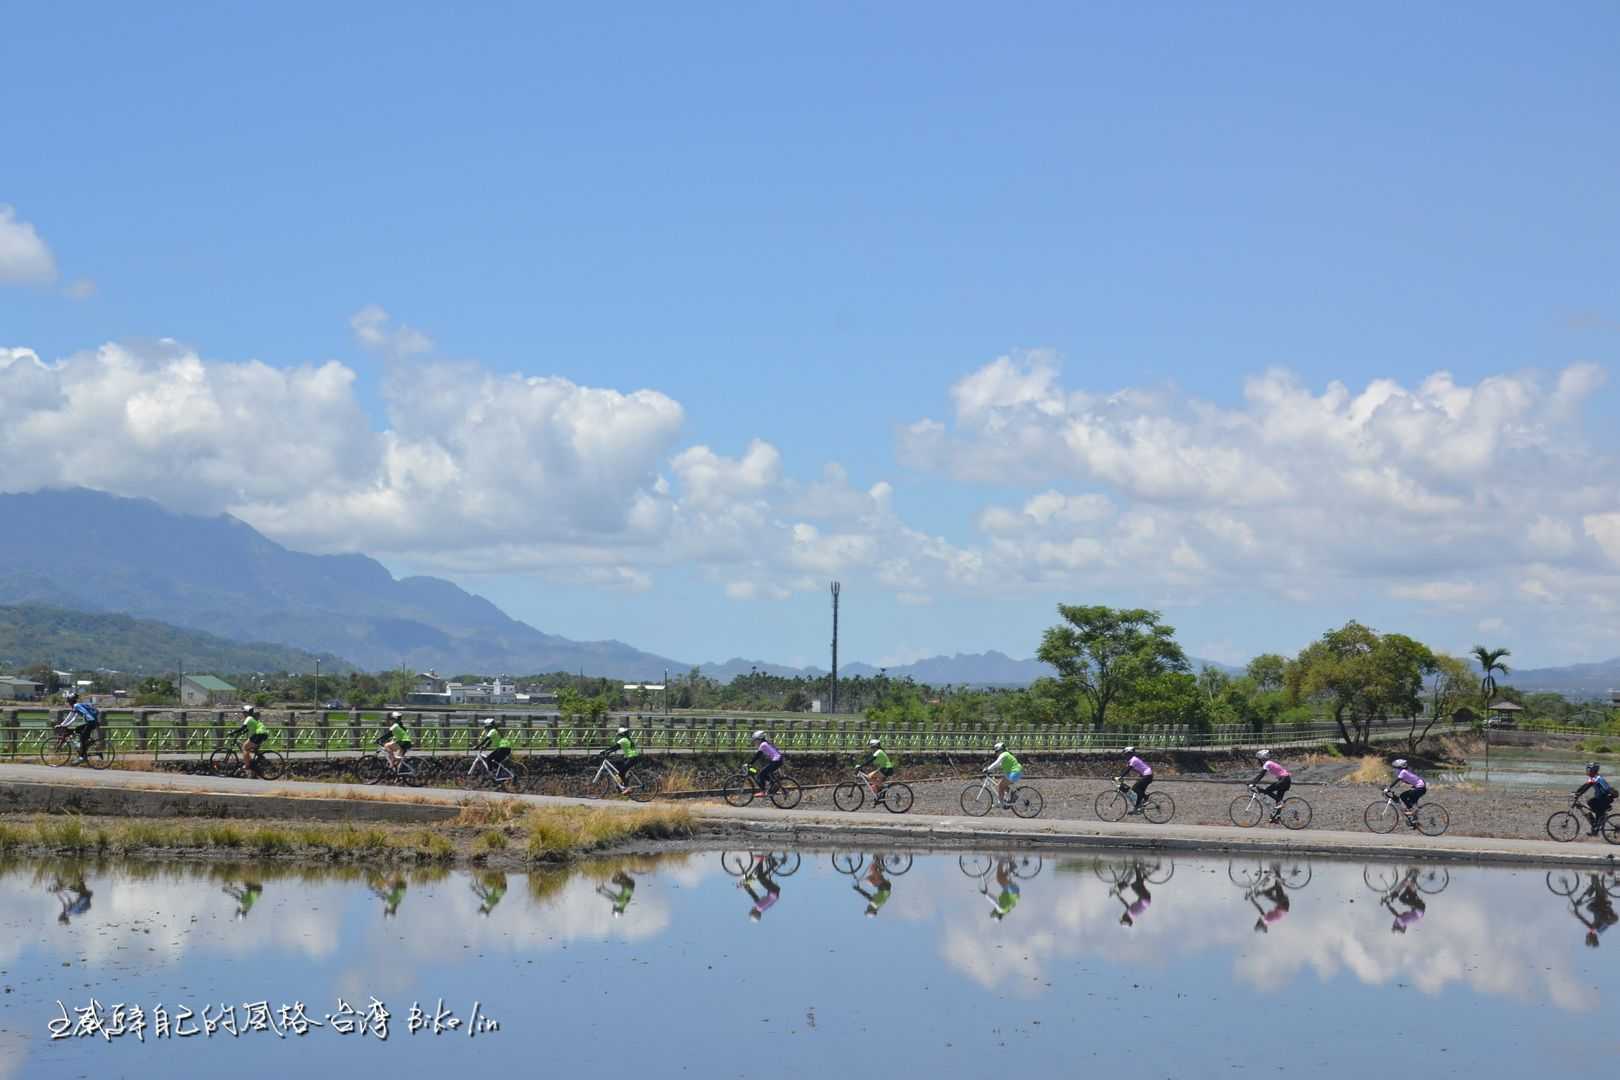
(24, 257)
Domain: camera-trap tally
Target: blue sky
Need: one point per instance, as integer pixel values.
(817, 229)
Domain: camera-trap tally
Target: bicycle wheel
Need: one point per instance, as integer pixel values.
(787, 863)
(57, 753)
(1379, 817)
(977, 800)
(1161, 872)
(99, 754)
(1296, 813)
(898, 798)
(739, 791)
(1564, 826)
(974, 866)
(1294, 875)
(786, 792)
(372, 769)
(1026, 866)
(269, 764)
(1432, 819)
(1611, 830)
(848, 862)
(895, 865)
(407, 774)
(1111, 806)
(640, 791)
(224, 761)
(1028, 802)
(1433, 879)
(1245, 811)
(736, 863)
(1112, 873)
(1159, 808)
(1563, 882)
(1380, 879)
(849, 795)
(1244, 877)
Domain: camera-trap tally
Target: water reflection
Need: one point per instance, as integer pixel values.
(881, 867)
(390, 889)
(246, 893)
(1402, 890)
(999, 878)
(1135, 875)
(75, 898)
(1591, 900)
(619, 893)
(1266, 886)
(489, 887)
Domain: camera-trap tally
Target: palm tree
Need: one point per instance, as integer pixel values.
(1490, 662)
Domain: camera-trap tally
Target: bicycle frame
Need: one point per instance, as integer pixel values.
(481, 762)
(612, 770)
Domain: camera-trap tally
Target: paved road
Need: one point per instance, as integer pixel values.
(765, 826)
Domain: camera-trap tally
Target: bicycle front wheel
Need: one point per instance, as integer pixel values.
(740, 790)
(1433, 819)
(898, 798)
(895, 865)
(1611, 830)
(1294, 875)
(1296, 813)
(977, 800)
(1026, 866)
(1159, 808)
(224, 761)
(1245, 811)
(786, 792)
(736, 863)
(57, 753)
(1564, 826)
(787, 863)
(1161, 873)
(1028, 802)
(1111, 806)
(974, 866)
(1433, 879)
(269, 764)
(1379, 817)
(1563, 882)
(1380, 879)
(848, 862)
(848, 795)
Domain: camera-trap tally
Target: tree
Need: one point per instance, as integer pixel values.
(1102, 652)
(1362, 677)
(1212, 681)
(1450, 682)
(1490, 662)
(1267, 671)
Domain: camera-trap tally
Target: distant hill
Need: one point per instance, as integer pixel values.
(77, 641)
(964, 669)
(93, 552)
(1577, 680)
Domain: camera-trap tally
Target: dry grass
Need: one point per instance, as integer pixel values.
(1372, 770)
(476, 813)
(563, 831)
(680, 778)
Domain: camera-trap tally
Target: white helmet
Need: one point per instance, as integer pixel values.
(759, 736)
(623, 730)
(489, 721)
(999, 746)
(247, 708)
(396, 715)
(1399, 763)
(1264, 755)
(1129, 750)
(874, 742)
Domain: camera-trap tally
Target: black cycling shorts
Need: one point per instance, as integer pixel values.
(258, 740)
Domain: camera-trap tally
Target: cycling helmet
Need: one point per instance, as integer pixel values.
(489, 721)
(874, 743)
(759, 736)
(1591, 767)
(617, 914)
(396, 715)
(1264, 755)
(999, 746)
(1399, 763)
(1129, 750)
(70, 697)
(250, 708)
(623, 730)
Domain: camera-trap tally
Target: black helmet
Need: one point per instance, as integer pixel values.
(1591, 767)
(71, 696)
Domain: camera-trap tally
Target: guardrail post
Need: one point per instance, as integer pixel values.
(9, 733)
(141, 739)
(290, 725)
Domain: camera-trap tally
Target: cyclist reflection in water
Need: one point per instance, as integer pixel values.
(1279, 905)
(390, 893)
(75, 898)
(489, 887)
(1134, 909)
(881, 887)
(1602, 911)
(1415, 907)
(760, 873)
(245, 895)
(1002, 905)
(621, 895)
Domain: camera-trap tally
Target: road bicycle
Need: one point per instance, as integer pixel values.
(484, 771)
(1565, 826)
(1154, 871)
(848, 862)
(375, 768)
(1113, 805)
(979, 866)
(1291, 874)
(267, 764)
(1381, 817)
(631, 787)
(97, 752)
(745, 863)
(1248, 811)
(783, 790)
(1387, 880)
(893, 796)
(977, 799)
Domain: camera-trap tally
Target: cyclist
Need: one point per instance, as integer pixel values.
(1416, 789)
(1281, 781)
(1144, 777)
(764, 866)
(391, 895)
(499, 746)
(625, 755)
(1011, 772)
(1407, 893)
(620, 896)
(83, 715)
(245, 896)
(881, 764)
(76, 904)
(1010, 893)
(1134, 909)
(1601, 907)
(766, 762)
(1279, 905)
(255, 731)
(396, 740)
(1602, 796)
(489, 888)
(881, 887)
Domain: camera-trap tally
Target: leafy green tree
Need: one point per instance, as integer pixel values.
(1450, 684)
(1361, 677)
(1268, 671)
(1490, 662)
(1103, 652)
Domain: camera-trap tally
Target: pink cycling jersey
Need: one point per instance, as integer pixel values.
(1410, 777)
(1142, 767)
(771, 753)
(1276, 770)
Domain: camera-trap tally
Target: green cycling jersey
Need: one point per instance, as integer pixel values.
(398, 734)
(627, 747)
(254, 726)
(1006, 763)
(881, 759)
(497, 739)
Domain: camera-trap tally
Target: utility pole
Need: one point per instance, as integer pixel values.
(835, 649)
(317, 701)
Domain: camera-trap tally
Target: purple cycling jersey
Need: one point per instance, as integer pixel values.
(1410, 777)
(1142, 767)
(771, 753)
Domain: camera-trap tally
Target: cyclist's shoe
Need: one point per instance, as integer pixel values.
(1276, 816)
